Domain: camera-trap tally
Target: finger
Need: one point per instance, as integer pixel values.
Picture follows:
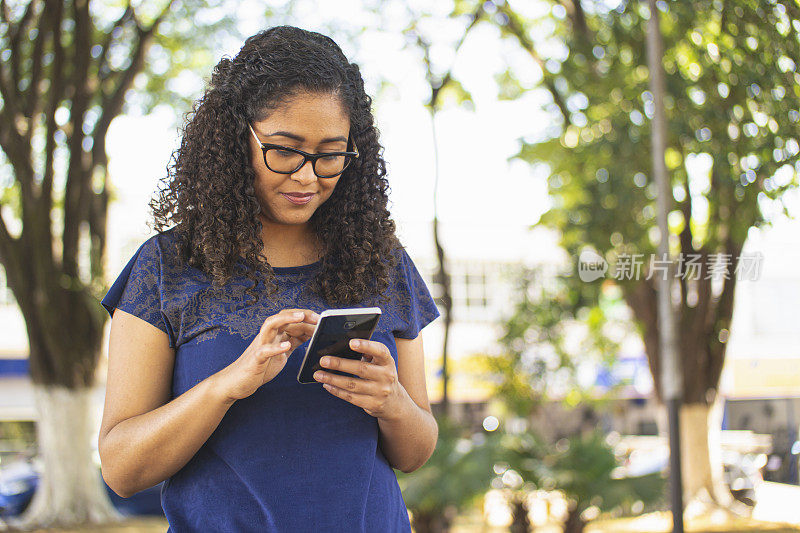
(308, 315)
(271, 350)
(352, 384)
(360, 368)
(379, 352)
(360, 400)
(301, 330)
(272, 324)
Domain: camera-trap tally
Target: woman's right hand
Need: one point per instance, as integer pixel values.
(266, 356)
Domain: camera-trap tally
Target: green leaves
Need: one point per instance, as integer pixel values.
(732, 94)
(553, 331)
(457, 472)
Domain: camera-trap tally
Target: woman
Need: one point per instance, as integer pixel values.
(278, 195)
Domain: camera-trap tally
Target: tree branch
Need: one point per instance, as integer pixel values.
(9, 255)
(78, 171)
(33, 92)
(515, 28)
(102, 66)
(575, 11)
(18, 155)
(436, 87)
(7, 242)
(15, 32)
(56, 94)
(112, 104)
(9, 91)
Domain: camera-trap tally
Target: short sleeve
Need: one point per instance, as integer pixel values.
(415, 305)
(137, 289)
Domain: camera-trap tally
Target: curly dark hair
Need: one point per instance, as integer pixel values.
(210, 194)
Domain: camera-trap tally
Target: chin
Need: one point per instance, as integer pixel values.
(293, 218)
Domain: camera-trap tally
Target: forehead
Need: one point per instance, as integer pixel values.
(308, 113)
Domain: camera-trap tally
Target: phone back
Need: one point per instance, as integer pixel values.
(333, 338)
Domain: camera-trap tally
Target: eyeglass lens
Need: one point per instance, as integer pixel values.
(285, 161)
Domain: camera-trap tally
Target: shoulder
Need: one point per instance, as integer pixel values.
(163, 245)
(406, 276)
(154, 259)
(401, 261)
(399, 257)
(411, 306)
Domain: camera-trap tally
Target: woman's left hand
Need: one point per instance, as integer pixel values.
(377, 388)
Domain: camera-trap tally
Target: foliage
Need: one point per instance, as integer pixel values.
(583, 467)
(67, 71)
(457, 471)
(732, 145)
(548, 336)
(455, 475)
(551, 336)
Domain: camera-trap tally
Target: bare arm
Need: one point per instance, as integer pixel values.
(408, 440)
(398, 399)
(144, 439)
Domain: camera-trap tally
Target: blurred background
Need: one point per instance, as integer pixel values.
(517, 136)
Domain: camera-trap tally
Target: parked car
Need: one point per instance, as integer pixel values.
(19, 479)
(744, 455)
(743, 474)
(18, 482)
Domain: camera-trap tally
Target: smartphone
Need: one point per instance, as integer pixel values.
(332, 336)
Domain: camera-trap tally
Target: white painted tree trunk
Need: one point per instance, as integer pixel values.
(71, 491)
(701, 456)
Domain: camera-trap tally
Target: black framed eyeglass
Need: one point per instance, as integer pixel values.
(287, 160)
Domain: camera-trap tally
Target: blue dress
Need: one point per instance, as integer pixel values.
(291, 457)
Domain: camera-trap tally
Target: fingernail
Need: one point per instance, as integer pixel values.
(299, 315)
(325, 361)
(285, 344)
(317, 375)
(354, 343)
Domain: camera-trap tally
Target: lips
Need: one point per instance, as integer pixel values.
(298, 199)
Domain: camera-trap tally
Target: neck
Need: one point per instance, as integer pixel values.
(289, 244)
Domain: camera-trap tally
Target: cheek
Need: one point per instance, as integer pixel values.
(327, 189)
(260, 188)
(265, 183)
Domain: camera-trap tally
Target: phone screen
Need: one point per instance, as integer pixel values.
(332, 337)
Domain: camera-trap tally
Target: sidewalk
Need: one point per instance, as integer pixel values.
(777, 502)
(133, 525)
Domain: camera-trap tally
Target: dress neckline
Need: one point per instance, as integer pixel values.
(296, 269)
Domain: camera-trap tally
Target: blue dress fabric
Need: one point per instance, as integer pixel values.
(291, 457)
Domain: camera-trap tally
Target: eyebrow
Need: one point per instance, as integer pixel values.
(301, 139)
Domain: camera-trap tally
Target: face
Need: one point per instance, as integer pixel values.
(310, 122)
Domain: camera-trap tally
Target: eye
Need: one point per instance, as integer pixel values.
(284, 153)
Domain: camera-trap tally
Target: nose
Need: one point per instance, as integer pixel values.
(304, 174)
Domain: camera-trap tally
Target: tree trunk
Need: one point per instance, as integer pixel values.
(70, 491)
(574, 522)
(430, 522)
(703, 482)
(520, 522)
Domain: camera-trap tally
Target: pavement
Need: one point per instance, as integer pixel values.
(777, 502)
